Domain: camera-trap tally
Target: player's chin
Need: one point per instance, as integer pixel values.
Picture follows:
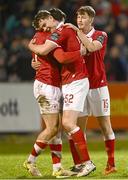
(80, 26)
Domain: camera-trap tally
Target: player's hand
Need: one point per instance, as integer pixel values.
(83, 50)
(35, 64)
(69, 25)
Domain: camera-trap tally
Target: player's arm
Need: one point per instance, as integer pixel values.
(43, 49)
(70, 25)
(90, 45)
(66, 57)
(63, 57)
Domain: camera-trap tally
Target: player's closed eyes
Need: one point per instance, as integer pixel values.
(44, 25)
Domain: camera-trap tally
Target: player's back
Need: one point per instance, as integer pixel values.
(95, 61)
(48, 71)
(68, 40)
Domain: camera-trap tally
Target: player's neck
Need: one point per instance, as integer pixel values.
(56, 23)
(87, 30)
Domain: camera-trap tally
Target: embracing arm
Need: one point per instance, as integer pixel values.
(66, 57)
(91, 46)
(43, 49)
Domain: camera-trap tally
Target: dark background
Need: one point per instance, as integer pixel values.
(16, 31)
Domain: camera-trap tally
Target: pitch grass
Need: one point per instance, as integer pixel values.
(15, 150)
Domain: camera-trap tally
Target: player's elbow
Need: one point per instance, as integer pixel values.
(61, 60)
(60, 57)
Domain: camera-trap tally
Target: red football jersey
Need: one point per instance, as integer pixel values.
(95, 60)
(67, 39)
(48, 72)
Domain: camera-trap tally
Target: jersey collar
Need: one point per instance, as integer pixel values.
(60, 24)
(90, 33)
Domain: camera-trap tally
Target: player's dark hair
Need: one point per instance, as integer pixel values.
(57, 14)
(41, 14)
(86, 9)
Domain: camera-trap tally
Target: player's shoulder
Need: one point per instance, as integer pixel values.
(61, 28)
(100, 36)
(69, 29)
(103, 33)
(58, 31)
(62, 31)
(65, 29)
(54, 36)
(39, 34)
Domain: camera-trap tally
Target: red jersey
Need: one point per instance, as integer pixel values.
(48, 71)
(95, 60)
(67, 39)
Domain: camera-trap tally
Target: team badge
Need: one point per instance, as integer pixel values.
(101, 39)
(55, 36)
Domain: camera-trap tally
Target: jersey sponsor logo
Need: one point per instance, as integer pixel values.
(55, 36)
(101, 39)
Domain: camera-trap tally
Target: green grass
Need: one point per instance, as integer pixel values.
(14, 150)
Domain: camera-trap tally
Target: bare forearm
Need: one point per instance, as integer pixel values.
(43, 49)
(85, 41)
(38, 49)
(91, 46)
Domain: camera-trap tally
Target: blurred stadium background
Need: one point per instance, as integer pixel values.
(19, 115)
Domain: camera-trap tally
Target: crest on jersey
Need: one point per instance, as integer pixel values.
(55, 36)
(101, 39)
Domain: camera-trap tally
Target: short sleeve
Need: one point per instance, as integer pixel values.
(101, 37)
(60, 36)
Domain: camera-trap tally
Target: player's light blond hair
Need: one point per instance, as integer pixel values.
(86, 9)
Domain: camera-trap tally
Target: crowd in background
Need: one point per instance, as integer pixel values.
(16, 31)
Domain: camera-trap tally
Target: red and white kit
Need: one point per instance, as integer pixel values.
(98, 100)
(47, 80)
(75, 83)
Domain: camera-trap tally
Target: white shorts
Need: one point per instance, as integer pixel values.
(48, 97)
(97, 103)
(74, 94)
